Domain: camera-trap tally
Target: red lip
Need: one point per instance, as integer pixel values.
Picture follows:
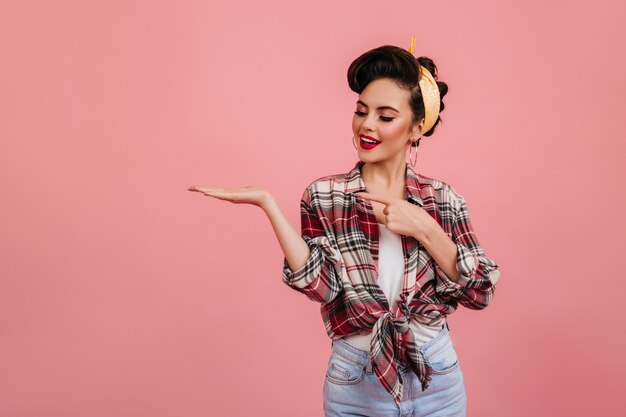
(370, 138)
(367, 146)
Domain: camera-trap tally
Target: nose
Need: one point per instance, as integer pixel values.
(368, 123)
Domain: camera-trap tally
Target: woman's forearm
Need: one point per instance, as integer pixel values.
(441, 248)
(293, 245)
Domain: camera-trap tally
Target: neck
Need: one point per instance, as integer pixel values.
(388, 175)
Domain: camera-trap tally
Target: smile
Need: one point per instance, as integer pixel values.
(368, 142)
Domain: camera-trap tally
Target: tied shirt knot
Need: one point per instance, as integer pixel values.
(392, 345)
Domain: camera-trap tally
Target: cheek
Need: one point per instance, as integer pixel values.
(394, 130)
(356, 124)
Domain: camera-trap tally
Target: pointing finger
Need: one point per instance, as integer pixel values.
(372, 197)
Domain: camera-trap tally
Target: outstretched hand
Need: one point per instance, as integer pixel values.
(401, 216)
(244, 195)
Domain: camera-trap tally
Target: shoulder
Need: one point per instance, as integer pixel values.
(443, 191)
(328, 183)
(323, 188)
(431, 182)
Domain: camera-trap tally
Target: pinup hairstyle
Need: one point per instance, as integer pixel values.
(401, 66)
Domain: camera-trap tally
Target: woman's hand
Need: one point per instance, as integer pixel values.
(257, 196)
(403, 217)
(295, 248)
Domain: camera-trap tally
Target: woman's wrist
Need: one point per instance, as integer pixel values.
(268, 202)
(424, 231)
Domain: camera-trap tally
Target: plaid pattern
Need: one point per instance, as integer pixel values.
(341, 272)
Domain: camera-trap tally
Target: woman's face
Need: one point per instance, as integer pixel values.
(383, 114)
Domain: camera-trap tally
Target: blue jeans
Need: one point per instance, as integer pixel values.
(352, 389)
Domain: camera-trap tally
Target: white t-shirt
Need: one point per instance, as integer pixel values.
(391, 273)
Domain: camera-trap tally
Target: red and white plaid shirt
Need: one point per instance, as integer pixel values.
(341, 272)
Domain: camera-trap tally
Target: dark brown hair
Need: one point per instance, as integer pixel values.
(401, 66)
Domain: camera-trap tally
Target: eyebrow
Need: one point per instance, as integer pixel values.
(379, 107)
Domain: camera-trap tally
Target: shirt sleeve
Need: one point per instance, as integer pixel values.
(320, 277)
(479, 274)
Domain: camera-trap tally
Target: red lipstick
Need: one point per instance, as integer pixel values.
(368, 145)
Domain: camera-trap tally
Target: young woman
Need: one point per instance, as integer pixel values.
(387, 252)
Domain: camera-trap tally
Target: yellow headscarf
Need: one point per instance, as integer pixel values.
(430, 93)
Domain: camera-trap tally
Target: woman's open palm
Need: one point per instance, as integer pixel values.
(244, 195)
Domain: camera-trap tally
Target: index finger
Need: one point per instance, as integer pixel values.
(370, 196)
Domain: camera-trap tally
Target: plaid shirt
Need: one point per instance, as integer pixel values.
(341, 272)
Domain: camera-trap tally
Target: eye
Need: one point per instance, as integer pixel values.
(383, 118)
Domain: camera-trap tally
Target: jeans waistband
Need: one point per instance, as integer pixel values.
(437, 343)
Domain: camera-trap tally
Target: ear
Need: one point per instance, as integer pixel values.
(418, 128)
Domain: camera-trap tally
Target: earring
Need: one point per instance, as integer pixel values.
(354, 143)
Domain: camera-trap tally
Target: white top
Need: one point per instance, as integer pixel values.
(390, 276)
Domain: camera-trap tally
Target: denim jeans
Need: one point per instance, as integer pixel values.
(352, 389)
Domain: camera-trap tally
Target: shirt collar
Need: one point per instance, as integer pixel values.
(355, 182)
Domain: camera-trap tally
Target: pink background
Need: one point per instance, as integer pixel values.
(124, 294)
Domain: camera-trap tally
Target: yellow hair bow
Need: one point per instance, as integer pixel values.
(430, 94)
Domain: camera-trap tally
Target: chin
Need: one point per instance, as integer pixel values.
(368, 158)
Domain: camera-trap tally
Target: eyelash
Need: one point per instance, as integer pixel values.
(383, 118)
